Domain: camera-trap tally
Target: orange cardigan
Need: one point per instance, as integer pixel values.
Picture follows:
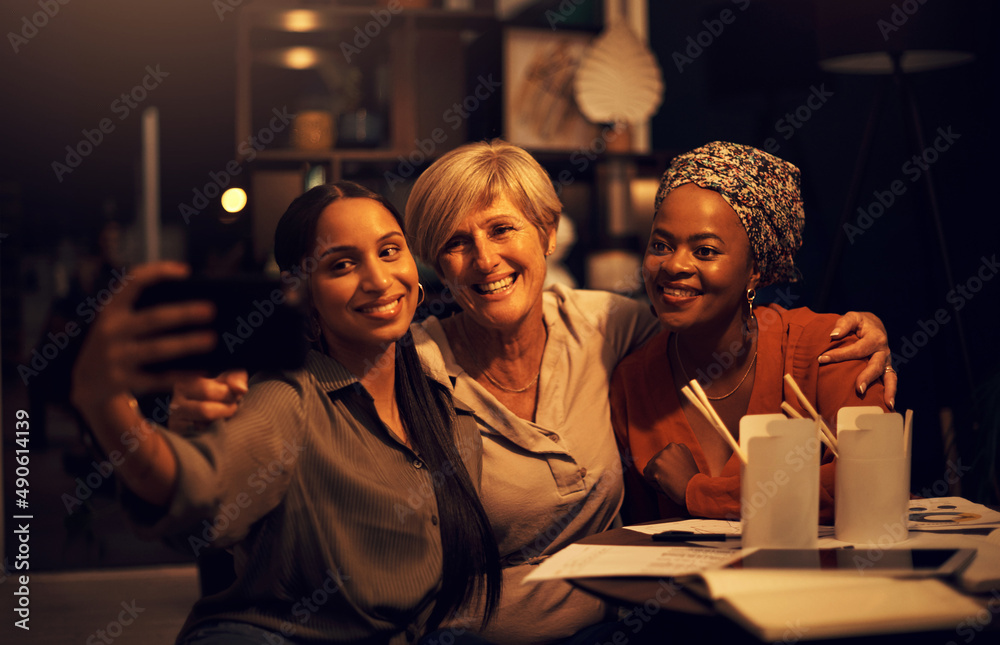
(646, 413)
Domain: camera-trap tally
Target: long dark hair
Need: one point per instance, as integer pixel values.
(470, 560)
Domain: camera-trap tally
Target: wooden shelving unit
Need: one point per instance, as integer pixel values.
(421, 50)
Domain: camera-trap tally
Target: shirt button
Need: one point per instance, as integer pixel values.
(583, 472)
(554, 437)
(434, 520)
(418, 464)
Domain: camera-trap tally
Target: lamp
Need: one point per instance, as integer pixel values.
(893, 39)
(863, 37)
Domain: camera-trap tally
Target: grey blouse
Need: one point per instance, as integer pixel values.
(333, 521)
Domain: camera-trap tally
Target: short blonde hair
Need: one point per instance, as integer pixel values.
(472, 177)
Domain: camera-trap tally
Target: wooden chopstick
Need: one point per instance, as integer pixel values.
(907, 431)
(793, 413)
(804, 402)
(699, 400)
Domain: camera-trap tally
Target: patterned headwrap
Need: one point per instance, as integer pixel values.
(762, 189)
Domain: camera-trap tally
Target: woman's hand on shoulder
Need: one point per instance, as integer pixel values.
(872, 343)
(198, 401)
(122, 341)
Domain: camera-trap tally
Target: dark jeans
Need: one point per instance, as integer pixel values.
(225, 632)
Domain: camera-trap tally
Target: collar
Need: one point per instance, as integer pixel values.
(329, 373)
(332, 376)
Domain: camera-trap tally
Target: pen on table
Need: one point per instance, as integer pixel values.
(691, 536)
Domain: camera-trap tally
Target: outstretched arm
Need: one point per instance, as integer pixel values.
(109, 371)
(873, 342)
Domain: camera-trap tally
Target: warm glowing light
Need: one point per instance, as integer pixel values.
(301, 57)
(300, 20)
(234, 199)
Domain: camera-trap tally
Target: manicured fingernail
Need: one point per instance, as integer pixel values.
(835, 332)
(861, 388)
(892, 404)
(824, 359)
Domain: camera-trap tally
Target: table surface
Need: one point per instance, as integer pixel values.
(698, 616)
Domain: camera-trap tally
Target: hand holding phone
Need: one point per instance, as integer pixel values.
(121, 342)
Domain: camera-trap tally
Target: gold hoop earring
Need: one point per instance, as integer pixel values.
(751, 295)
(420, 292)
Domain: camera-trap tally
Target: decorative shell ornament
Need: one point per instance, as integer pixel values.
(618, 79)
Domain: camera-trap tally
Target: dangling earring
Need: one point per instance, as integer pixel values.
(747, 331)
(420, 292)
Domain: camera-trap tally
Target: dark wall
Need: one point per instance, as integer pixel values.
(755, 81)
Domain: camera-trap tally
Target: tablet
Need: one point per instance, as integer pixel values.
(915, 563)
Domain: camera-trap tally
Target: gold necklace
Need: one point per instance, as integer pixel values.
(485, 372)
(687, 379)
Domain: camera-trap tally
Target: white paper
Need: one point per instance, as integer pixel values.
(593, 561)
(726, 527)
(949, 513)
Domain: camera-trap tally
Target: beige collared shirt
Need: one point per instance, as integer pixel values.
(552, 481)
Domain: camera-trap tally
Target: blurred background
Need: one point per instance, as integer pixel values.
(274, 97)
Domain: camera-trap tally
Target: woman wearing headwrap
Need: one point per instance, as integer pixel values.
(728, 221)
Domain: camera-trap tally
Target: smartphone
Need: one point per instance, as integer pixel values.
(260, 326)
(894, 562)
